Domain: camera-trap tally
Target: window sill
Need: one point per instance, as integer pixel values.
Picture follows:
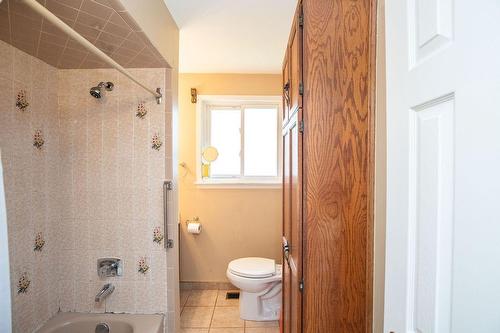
(237, 184)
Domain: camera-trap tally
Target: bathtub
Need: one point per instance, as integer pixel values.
(118, 323)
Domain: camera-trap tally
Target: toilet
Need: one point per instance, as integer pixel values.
(259, 281)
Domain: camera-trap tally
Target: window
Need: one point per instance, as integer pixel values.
(245, 132)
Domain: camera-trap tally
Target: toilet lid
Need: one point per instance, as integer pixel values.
(253, 267)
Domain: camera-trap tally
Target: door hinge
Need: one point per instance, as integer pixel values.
(301, 126)
(301, 20)
(301, 285)
(301, 88)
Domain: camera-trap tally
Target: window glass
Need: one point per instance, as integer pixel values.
(225, 135)
(261, 142)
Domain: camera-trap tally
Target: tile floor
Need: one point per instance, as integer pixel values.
(208, 311)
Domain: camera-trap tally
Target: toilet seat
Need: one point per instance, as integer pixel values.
(253, 267)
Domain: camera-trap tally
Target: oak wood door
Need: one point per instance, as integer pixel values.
(338, 171)
(295, 243)
(294, 61)
(292, 222)
(286, 229)
(286, 89)
(292, 227)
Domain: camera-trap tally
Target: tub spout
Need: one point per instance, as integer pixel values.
(105, 291)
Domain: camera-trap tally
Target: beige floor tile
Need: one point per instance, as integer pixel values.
(184, 296)
(222, 301)
(196, 317)
(202, 298)
(262, 330)
(194, 330)
(227, 317)
(249, 323)
(227, 330)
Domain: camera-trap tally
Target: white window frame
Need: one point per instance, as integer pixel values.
(207, 102)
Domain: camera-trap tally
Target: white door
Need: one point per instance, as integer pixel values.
(443, 133)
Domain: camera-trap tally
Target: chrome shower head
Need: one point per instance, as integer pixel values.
(97, 91)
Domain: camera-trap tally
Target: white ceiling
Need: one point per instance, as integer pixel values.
(232, 36)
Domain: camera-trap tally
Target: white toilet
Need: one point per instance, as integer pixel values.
(259, 281)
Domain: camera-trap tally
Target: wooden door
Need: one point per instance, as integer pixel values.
(286, 88)
(443, 159)
(292, 226)
(295, 244)
(295, 62)
(286, 229)
(337, 168)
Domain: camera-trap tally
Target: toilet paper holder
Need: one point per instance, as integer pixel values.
(195, 219)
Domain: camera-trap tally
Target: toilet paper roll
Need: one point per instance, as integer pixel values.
(194, 228)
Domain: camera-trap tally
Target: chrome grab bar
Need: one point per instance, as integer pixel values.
(167, 186)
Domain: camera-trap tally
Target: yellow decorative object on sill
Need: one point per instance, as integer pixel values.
(205, 170)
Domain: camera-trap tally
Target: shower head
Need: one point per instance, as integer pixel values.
(97, 91)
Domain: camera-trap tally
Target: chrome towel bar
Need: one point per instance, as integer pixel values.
(167, 187)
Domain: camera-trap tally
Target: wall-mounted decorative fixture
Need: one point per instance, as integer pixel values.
(23, 283)
(22, 100)
(141, 110)
(209, 155)
(143, 266)
(194, 96)
(38, 140)
(157, 235)
(156, 142)
(39, 242)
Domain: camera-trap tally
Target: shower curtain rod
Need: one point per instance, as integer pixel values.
(33, 4)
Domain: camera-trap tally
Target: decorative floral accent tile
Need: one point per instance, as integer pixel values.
(141, 111)
(39, 242)
(143, 266)
(22, 100)
(38, 140)
(23, 283)
(157, 235)
(156, 142)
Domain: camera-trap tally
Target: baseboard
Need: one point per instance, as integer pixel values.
(199, 285)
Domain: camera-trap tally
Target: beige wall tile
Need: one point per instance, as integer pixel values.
(6, 61)
(90, 189)
(22, 67)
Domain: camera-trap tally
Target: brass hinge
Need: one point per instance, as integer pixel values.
(301, 126)
(301, 88)
(301, 20)
(301, 285)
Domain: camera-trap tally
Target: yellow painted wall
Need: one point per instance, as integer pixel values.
(236, 222)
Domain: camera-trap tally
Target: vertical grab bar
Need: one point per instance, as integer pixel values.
(167, 242)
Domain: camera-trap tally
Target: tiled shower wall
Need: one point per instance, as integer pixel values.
(94, 189)
(112, 183)
(32, 183)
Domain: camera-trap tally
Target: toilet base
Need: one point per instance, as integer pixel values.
(260, 308)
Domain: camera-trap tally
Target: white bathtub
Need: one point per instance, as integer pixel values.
(118, 323)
